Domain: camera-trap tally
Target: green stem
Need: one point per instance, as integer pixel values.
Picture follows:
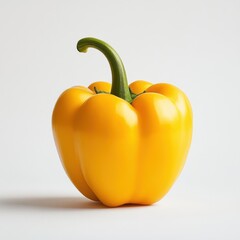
(119, 77)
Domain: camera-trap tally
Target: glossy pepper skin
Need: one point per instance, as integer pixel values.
(118, 147)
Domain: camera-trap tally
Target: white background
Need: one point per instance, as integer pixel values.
(192, 44)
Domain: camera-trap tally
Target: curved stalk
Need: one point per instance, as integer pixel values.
(119, 78)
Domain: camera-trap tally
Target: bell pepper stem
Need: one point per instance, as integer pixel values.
(119, 78)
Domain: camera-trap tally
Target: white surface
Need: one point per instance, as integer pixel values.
(192, 44)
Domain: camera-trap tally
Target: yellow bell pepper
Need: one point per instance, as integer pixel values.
(122, 144)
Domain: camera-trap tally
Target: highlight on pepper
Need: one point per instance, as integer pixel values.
(122, 144)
